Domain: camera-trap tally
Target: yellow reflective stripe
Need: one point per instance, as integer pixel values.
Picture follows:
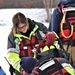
(70, 70)
(18, 68)
(13, 59)
(46, 48)
(36, 27)
(55, 44)
(20, 35)
(56, 34)
(34, 55)
(18, 43)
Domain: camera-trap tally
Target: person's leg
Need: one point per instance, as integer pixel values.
(73, 56)
(71, 50)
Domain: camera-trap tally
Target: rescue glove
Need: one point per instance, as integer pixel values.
(28, 63)
(50, 38)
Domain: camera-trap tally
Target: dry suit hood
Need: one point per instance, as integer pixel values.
(67, 2)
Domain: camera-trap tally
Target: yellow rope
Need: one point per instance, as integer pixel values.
(61, 27)
(56, 35)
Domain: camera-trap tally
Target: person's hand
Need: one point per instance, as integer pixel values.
(50, 38)
(27, 64)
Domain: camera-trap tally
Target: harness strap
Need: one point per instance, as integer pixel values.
(53, 64)
(26, 50)
(61, 27)
(28, 45)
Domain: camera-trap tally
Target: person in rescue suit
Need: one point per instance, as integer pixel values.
(62, 22)
(53, 66)
(26, 35)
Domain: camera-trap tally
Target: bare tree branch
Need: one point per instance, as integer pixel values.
(47, 4)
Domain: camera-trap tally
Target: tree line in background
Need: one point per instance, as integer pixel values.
(47, 4)
(26, 3)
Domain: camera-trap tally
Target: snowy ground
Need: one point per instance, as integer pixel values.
(6, 24)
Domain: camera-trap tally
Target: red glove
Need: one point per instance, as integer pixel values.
(50, 38)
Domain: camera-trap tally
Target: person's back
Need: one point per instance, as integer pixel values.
(65, 28)
(56, 16)
(53, 66)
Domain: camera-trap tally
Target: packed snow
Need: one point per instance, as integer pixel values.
(6, 25)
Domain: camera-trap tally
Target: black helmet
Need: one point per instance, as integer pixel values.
(66, 2)
(54, 66)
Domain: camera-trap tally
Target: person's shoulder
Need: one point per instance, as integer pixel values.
(31, 22)
(56, 10)
(39, 24)
(11, 34)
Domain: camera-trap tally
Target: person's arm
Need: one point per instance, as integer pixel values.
(48, 36)
(13, 52)
(55, 20)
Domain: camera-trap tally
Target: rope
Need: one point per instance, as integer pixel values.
(61, 27)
